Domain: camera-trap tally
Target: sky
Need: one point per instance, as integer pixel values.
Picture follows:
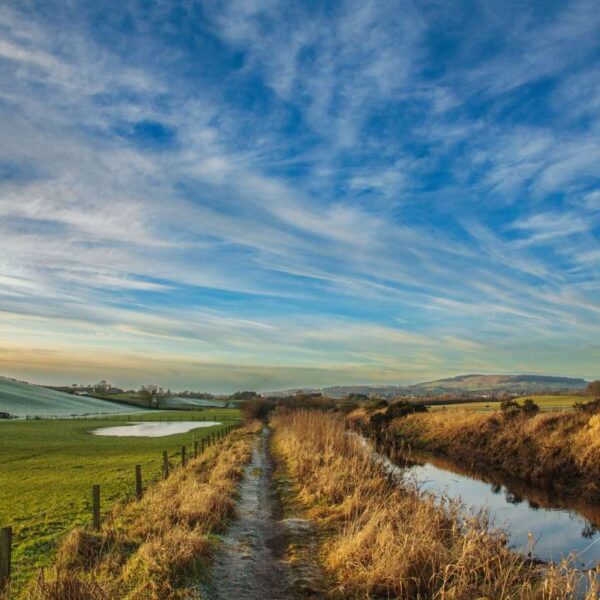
(272, 194)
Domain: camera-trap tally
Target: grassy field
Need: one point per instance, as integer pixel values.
(159, 547)
(545, 402)
(47, 468)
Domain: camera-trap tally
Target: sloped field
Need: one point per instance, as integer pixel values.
(23, 399)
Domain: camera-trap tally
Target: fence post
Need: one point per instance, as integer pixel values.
(5, 556)
(138, 482)
(213, 438)
(202, 445)
(195, 448)
(165, 464)
(183, 456)
(96, 507)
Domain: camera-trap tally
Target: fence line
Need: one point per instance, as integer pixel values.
(6, 533)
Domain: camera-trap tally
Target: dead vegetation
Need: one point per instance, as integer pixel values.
(384, 540)
(561, 449)
(157, 548)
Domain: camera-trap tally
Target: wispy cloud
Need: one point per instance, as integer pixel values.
(393, 189)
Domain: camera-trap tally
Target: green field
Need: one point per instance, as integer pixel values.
(47, 469)
(545, 402)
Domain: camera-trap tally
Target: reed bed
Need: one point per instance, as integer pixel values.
(383, 539)
(157, 548)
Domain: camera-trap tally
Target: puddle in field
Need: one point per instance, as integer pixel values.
(152, 428)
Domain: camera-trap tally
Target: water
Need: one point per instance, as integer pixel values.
(557, 526)
(153, 428)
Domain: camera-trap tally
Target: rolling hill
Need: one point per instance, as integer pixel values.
(461, 384)
(23, 399)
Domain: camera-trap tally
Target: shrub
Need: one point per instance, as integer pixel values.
(529, 407)
(591, 407)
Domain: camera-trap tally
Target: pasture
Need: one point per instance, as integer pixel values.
(545, 402)
(47, 469)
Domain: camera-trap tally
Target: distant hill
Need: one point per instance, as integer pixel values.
(504, 383)
(461, 384)
(22, 399)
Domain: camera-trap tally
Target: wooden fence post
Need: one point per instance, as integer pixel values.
(5, 556)
(96, 507)
(202, 445)
(213, 438)
(165, 464)
(195, 448)
(183, 456)
(138, 482)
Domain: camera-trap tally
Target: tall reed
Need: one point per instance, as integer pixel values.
(384, 539)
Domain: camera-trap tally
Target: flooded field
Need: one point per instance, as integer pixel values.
(153, 428)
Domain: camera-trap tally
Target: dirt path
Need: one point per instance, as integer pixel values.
(250, 565)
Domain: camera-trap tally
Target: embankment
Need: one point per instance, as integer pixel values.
(379, 538)
(559, 449)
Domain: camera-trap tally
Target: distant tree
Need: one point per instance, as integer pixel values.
(357, 397)
(593, 389)
(102, 387)
(149, 393)
(246, 395)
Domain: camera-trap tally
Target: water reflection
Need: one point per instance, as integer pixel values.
(558, 526)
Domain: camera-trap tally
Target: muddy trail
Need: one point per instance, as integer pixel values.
(252, 562)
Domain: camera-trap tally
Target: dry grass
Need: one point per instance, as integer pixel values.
(153, 549)
(385, 540)
(559, 447)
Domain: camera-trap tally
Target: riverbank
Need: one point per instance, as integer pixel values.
(558, 450)
(381, 538)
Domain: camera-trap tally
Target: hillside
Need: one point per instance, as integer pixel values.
(473, 383)
(22, 399)
(508, 383)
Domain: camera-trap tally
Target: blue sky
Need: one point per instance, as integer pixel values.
(269, 194)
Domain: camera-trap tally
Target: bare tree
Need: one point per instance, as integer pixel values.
(593, 389)
(149, 393)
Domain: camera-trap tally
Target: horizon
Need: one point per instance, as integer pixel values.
(276, 195)
(228, 391)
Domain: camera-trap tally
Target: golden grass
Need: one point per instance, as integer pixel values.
(386, 540)
(558, 447)
(157, 548)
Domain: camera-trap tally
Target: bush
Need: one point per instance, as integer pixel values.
(529, 407)
(591, 407)
(396, 411)
(510, 408)
(257, 408)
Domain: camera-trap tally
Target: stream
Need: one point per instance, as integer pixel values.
(538, 522)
